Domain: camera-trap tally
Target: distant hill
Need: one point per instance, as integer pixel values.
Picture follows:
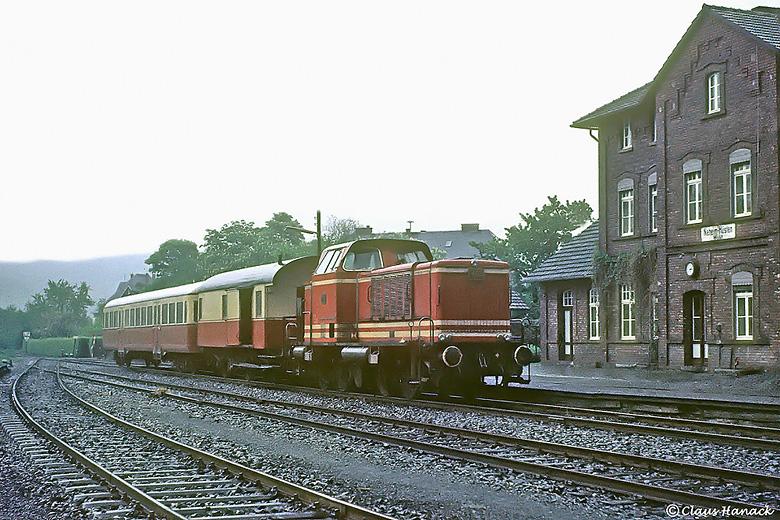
(20, 280)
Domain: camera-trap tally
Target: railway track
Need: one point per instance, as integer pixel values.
(725, 433)
(165, 477)
(656, 479)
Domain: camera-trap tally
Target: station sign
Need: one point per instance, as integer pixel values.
(722, 232)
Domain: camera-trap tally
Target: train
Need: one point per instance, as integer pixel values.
(377, 314)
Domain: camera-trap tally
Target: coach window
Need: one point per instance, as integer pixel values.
(742, 287)
(171, 313)
(185, 311)
(224, 306)
(179, 312)
(259, 303)
(150, 315)
(165, 314)
(741, 183)
(200, 308)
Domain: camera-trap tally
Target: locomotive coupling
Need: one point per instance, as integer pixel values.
(452, 356)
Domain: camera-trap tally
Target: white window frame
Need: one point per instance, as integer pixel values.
(628, 139)
(653, 205)
(627, 312)
(742, 172)
(593, 314)
(567, 298)
(626, 212)
(714, 93)
(694, 203)
(743, 317)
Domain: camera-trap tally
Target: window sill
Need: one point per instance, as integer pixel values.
(652, 143)
(714, 115)
(626, 150)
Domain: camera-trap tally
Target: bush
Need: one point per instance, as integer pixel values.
(50, 347)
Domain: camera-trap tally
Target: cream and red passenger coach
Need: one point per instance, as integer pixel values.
(377, 313)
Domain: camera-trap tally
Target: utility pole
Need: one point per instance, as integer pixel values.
(310, 232)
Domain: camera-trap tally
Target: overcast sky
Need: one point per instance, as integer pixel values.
(124, 124)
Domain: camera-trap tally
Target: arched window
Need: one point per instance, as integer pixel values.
(626, 206)
(714, 93)
(567, 299)
(742, 287)
(741, 182)
(694, 200)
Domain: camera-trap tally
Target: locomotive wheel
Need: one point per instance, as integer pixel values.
(444, 384)
(342, 377)
(357, 375)
(382, 381)
(325, 375)
(409, 390)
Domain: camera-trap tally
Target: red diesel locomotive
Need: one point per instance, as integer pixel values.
(376, 313)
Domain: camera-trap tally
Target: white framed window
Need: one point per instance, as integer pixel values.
(567, 299)
(743, 314)
(593, 314)
(714, 93)
(653, 207)
(626, 212)
(743, 190)
(627, 140)
(693, 197)
(627, 315)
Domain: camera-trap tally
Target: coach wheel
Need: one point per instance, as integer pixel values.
(223, 366)
(148, 362)
(383, 381)
(156, 363)
(128, 360)
(117, 359)
(342, 377)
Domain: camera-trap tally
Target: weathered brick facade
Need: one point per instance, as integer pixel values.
(705, 134)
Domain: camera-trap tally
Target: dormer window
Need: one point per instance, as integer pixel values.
(714, 93)
(627, 139)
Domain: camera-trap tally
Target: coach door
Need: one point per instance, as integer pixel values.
(565, 326)
(245, 316)
(695, 348)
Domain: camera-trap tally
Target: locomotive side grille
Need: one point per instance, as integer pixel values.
(391, 298)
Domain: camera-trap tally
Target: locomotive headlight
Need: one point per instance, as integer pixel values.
(522, 355)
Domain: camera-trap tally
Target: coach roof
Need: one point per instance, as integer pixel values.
(247, 277)
(171, 292)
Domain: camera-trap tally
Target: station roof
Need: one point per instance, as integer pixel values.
(572, 261)
(760, 23)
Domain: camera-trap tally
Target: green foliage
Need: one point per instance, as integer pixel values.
(174, 263)
(534, 239)
(339, 230)
(13, 322)
(60, 310)
(50, 347)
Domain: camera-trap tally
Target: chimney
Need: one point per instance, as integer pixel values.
(469, 227)
(365, 231)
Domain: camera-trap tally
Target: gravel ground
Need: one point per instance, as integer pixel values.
(27, 492)
(684, 450)
(417, 485)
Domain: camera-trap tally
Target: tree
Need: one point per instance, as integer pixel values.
(60, 310)
(339, 230)
(535, 238)
(13, 322)
(174, 263)
(233, 246)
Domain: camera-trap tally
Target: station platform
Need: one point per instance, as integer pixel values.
(761, 387)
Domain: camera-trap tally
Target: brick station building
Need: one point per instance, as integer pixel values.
(684, 260)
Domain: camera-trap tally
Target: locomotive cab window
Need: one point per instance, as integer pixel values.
(330, 261)
(363, 260)
(413, 256)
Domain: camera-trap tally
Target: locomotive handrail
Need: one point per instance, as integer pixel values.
(419, 327)
(287, 330)
(311, 327)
